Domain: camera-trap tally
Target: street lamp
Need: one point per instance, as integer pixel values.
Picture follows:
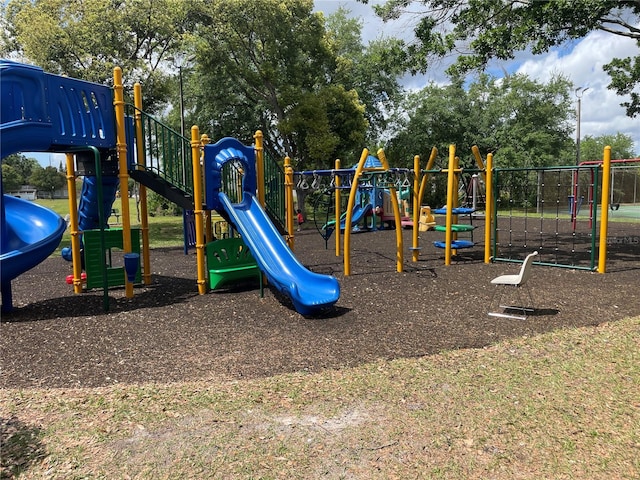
(578, 93)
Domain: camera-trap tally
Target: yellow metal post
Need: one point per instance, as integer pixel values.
(423, 183)
(396, 214)
(197, 211)
(288, 195)
(121, 148)
(488, 210)
(337, 207)
(415, 253)
(73, 225)
(144, 213)
(258, 137)
(604, 209)
(349, 216)
(451, 175)
(479, 162)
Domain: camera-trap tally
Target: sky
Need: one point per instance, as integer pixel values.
(581, 62)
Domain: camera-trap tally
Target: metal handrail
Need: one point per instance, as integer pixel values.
(166, 152)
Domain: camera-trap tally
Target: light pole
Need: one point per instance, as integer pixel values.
(578, 93)
(182, 101)
(181, 62)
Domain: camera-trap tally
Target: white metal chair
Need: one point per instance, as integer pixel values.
(517, 281)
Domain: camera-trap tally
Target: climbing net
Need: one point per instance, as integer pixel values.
(551, 210)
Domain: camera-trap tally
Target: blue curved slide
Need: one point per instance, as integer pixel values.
(357, 215)
(30, 233)
(308, 291)
(42, 112)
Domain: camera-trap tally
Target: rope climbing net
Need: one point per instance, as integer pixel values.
(551, 210)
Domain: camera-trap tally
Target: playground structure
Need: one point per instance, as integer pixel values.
(566, 213)
(522, 208)
(106, 142)
(372, 201)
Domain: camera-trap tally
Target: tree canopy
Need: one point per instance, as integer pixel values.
(592, 148)
(524, 122)
(88, 39)
(270, 65)
(23, 166)
(47, 179)
(310, 83)
(481, 30)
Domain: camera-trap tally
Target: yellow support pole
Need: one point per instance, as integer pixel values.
(479, 162)
(423, 183)
(73, 225)
(288, 196)
(121, 148)
(604, 209)
(396, 213)
(197, 211)
(144, 213)
(488, 210)
(415, 252)
(349, 217)
(258, 137)
(451, 175)
(337, 207)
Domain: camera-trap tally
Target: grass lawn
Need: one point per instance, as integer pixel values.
(164, 231)
(561, 405)
(564, 404)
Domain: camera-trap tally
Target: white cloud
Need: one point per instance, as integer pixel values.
(601, 112)
(580, 61)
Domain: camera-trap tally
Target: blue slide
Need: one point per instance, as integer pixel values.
(30, 233)
(42, 112)
(357, 215)
(309, 291)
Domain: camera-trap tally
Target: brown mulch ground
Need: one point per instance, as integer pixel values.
(169, 333)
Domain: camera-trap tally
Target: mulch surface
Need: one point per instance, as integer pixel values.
(169, 333)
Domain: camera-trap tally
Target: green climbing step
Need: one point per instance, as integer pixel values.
(454, 228)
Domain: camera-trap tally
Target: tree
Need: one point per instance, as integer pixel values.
(88, 39)
(47, 179)
(592, 148)
(372, 70)
(523, 122)
(481, 30)
(23, 166)
(267, 65)
(11, 179)
(434, 116)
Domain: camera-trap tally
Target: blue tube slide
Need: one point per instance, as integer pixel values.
(30, 233)
(357, 215)
(88, 210)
